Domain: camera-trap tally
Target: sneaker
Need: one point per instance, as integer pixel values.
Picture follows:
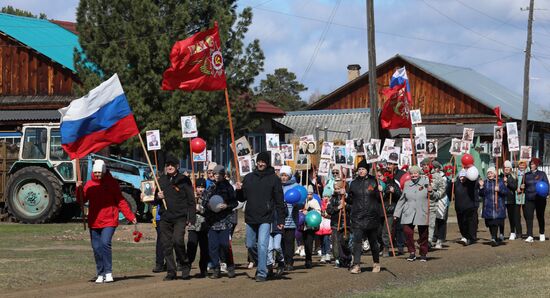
(250, 265)
(336, 264)
(529, 239)
(319, 253)
(494, 243)
(376, 268)
(231, 272)
(512, 236)
(468, 242)
(223, 267)
(356, 269)
(501, 237)
(462, 240)
(438, 245)
(542, 238)
(327, 258)
(302, 252)
(100, 279)
(411, 257)
(323, 260)
(423, 259)
(109, 277)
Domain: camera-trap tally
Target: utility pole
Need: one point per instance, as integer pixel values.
(373, 97)
(523, 130)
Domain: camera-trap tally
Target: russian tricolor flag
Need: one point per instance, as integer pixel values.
(400, 77)
(97, 120)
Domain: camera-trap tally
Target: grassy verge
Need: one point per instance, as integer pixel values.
(524, 279)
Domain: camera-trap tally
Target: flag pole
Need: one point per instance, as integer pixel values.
(383, 209)
(79, 194)
(232, 135)
(156, 163)
(151, 167)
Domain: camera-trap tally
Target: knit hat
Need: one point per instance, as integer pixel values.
(425, 161)
(415, 169)
(507, 164)
(286, 170)
(264, 156)
(363, 164)
(170, 159)
(462, 173)
(99, 166)
(436, 164)
(219, 169)
(211, 166)
(536, 161)
(201, 182)
(309, 189)
(491, 169)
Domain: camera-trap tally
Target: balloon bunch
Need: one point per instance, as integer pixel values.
(472, 173)
(137, 234)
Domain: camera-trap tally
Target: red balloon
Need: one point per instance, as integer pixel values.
(467, 160)
(198, 145)
(406, 177)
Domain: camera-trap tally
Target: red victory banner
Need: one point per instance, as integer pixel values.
(196, 63)
(395, 113)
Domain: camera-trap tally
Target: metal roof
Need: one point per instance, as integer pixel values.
(306, 122)
(481, 88)
(47, 38)
(20, 115)
(35, 100)
(265, 107)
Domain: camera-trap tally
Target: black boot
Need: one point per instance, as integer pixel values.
(231, 271)
(170, 276)
(186, 272)
(215, 273)
(159, 268)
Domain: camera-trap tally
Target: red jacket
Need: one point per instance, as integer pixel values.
(105, 200)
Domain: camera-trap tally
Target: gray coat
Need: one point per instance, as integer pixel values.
(412, 207)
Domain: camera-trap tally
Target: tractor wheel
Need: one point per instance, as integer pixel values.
(34, 195)
(133, 206)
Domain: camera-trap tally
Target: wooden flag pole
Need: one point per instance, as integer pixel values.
(156, 163)
(151, 168)
(454, 178)
(232, 136)
(79, 193)
(384, 209)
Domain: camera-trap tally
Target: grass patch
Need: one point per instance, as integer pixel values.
(525, 279)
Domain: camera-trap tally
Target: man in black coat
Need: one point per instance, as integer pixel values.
(176, 190)
(466, 206)
(263, 192)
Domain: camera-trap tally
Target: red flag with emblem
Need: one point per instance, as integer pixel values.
(196, 63)
(395, 113)
(499, 115)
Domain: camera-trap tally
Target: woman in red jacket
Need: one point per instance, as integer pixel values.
(105, 200)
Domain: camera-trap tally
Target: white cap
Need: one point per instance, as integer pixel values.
(99, 166)
(286, 170)
(492, 169)
(507, 164)
(211, 166)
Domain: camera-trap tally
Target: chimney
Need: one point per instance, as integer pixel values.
(353, 72)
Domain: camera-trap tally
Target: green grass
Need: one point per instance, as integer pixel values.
(525, 279)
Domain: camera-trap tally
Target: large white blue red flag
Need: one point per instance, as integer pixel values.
(400, 77)
(97, 120)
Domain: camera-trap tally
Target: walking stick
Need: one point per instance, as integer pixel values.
(454, 178)
(384, 210)
(429, 184)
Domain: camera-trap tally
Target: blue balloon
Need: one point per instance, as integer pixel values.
(292, 196)
(302, 190)
(541, 188)
(318, 198)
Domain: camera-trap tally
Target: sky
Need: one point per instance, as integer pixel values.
(318, 39)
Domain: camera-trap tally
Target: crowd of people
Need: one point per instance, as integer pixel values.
(378, 210)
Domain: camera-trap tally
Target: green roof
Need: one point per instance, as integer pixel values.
(47, 38)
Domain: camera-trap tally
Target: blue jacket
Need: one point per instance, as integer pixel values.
(531, 179)
(488, 195)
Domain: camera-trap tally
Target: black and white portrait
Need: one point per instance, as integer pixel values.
(468, 135)
(324, 167)
(455, 146)
(371, 152)
(242, 146)
(525, 153)
(245, 164)
(272, 141)
(288, 152)
(276, 159)
(148, 190)
(497, 148)
(327, 150)
(420, 144)
(358, 144)
(431, 147)
(406, 147)
(512, 129)
(339, 155)
(153, 139)
(189, 126)
(416, 117)
(497, 133)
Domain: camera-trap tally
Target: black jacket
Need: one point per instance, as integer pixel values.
(263, 193)
(466, 195)
(364, 198)
(226, 191)
(179, 197)
(512, 185)
(334, 212)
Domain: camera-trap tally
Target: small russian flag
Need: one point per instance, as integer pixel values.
(97, 120)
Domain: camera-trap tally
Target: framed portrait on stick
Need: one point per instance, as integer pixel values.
(245, 164)
(148, 190)
(525, 153)
(242, 146)
(497, 148)
(189, 126)
(272, 141)
(153, 139)
(455, 148)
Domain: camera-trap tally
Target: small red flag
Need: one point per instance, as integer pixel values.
(499, 115)
(395, 113)
(196, 63)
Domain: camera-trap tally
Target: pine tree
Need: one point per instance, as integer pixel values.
(20, 12)
(282, 90)
(134, 37)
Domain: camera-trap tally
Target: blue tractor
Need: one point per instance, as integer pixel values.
(40, 184)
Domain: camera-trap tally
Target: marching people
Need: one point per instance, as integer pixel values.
(412, 210)
(311, 204)
(438, 185)
(466, 207)
(197, 236)
(263, 193)
(533, 201)
(392, 193)
(291, 221)
(325, 231)
(520, 196)
(218, 201)
(105, 200)
(366, 211)
(511, 206)
(179, 213)
(494, 208)
(340, 218)
(441, 205)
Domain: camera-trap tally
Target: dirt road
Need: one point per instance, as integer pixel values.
(322, 280)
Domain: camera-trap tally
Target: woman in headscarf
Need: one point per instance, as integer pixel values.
(494, 208)
(412, 210)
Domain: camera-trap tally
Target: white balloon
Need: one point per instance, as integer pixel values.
(215, 202)
(472, 173)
